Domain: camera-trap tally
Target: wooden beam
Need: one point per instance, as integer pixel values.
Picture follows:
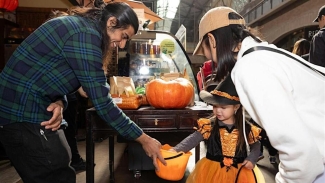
(74, 2)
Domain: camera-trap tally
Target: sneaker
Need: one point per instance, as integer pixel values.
(79, 166)
(260, 157)
(272, 159)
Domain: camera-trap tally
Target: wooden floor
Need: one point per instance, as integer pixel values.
(122, 173)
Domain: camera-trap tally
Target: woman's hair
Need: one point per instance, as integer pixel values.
(301, 47)
(227, 39)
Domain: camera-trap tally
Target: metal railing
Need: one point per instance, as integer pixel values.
(262, 9)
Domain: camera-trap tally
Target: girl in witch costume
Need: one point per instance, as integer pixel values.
(226, 135)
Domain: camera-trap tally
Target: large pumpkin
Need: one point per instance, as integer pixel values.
(174, 94)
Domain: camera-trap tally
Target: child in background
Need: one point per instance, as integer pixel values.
(204, 72)
(301, 48)
(226, 159)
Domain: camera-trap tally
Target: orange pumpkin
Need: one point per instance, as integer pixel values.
(174, 94)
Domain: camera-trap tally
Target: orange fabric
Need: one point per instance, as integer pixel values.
(207, 171)
(228, 141)
(204, 127)
(254, 136)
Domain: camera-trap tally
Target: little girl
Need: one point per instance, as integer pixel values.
(226, 159)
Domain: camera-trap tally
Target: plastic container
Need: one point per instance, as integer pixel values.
(176, 164)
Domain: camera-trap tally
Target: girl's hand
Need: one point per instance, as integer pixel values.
(247, 164)
(172, 150)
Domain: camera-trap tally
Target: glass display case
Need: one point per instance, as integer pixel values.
(152, 54)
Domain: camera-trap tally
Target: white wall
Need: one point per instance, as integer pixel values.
(45, 3)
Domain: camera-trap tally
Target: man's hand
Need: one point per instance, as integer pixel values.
(82, 92)
(152, 148)
(54, 123)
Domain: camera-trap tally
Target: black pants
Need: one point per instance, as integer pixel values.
(70, 132)
(3, 154)
(266, 143)
(38, 158)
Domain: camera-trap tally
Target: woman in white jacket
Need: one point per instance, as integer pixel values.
(283, 93)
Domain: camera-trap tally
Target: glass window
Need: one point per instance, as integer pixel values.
(154, 54)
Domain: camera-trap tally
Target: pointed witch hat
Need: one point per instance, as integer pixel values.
(225, 93)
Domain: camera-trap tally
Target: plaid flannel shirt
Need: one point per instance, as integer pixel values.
(56, 59)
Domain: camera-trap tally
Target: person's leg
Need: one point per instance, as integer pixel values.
(3, 154)
(37, 154)
(70, 115)
(262, 140)
(272, 151)
(262, 134)
(70, 132)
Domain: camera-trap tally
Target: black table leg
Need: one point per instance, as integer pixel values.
(197, 153)
(111, 158)
(89, 154)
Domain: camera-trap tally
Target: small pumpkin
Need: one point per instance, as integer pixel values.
(174, 94)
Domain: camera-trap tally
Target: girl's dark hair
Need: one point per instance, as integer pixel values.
(239, 125)
(227, 39)
(124, 15)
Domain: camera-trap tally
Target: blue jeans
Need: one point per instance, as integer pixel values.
(38, 155)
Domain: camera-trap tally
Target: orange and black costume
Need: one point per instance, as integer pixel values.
(224, 158)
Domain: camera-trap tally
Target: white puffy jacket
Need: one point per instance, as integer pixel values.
(288, 100)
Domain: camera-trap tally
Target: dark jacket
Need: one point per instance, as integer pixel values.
(317, 48)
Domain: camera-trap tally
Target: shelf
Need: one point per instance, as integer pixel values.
(170, 58)
(8, 23)
(145, 56)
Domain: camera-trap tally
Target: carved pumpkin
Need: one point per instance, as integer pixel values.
(174, 94)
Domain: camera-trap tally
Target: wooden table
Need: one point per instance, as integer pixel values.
(150, 120)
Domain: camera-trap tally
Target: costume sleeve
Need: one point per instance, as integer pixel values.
(189, 142)
(204, 127)
(254, 143)
(203, 132)
(254, 134)
(84, 55)
(266, 93)
(255, 152)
